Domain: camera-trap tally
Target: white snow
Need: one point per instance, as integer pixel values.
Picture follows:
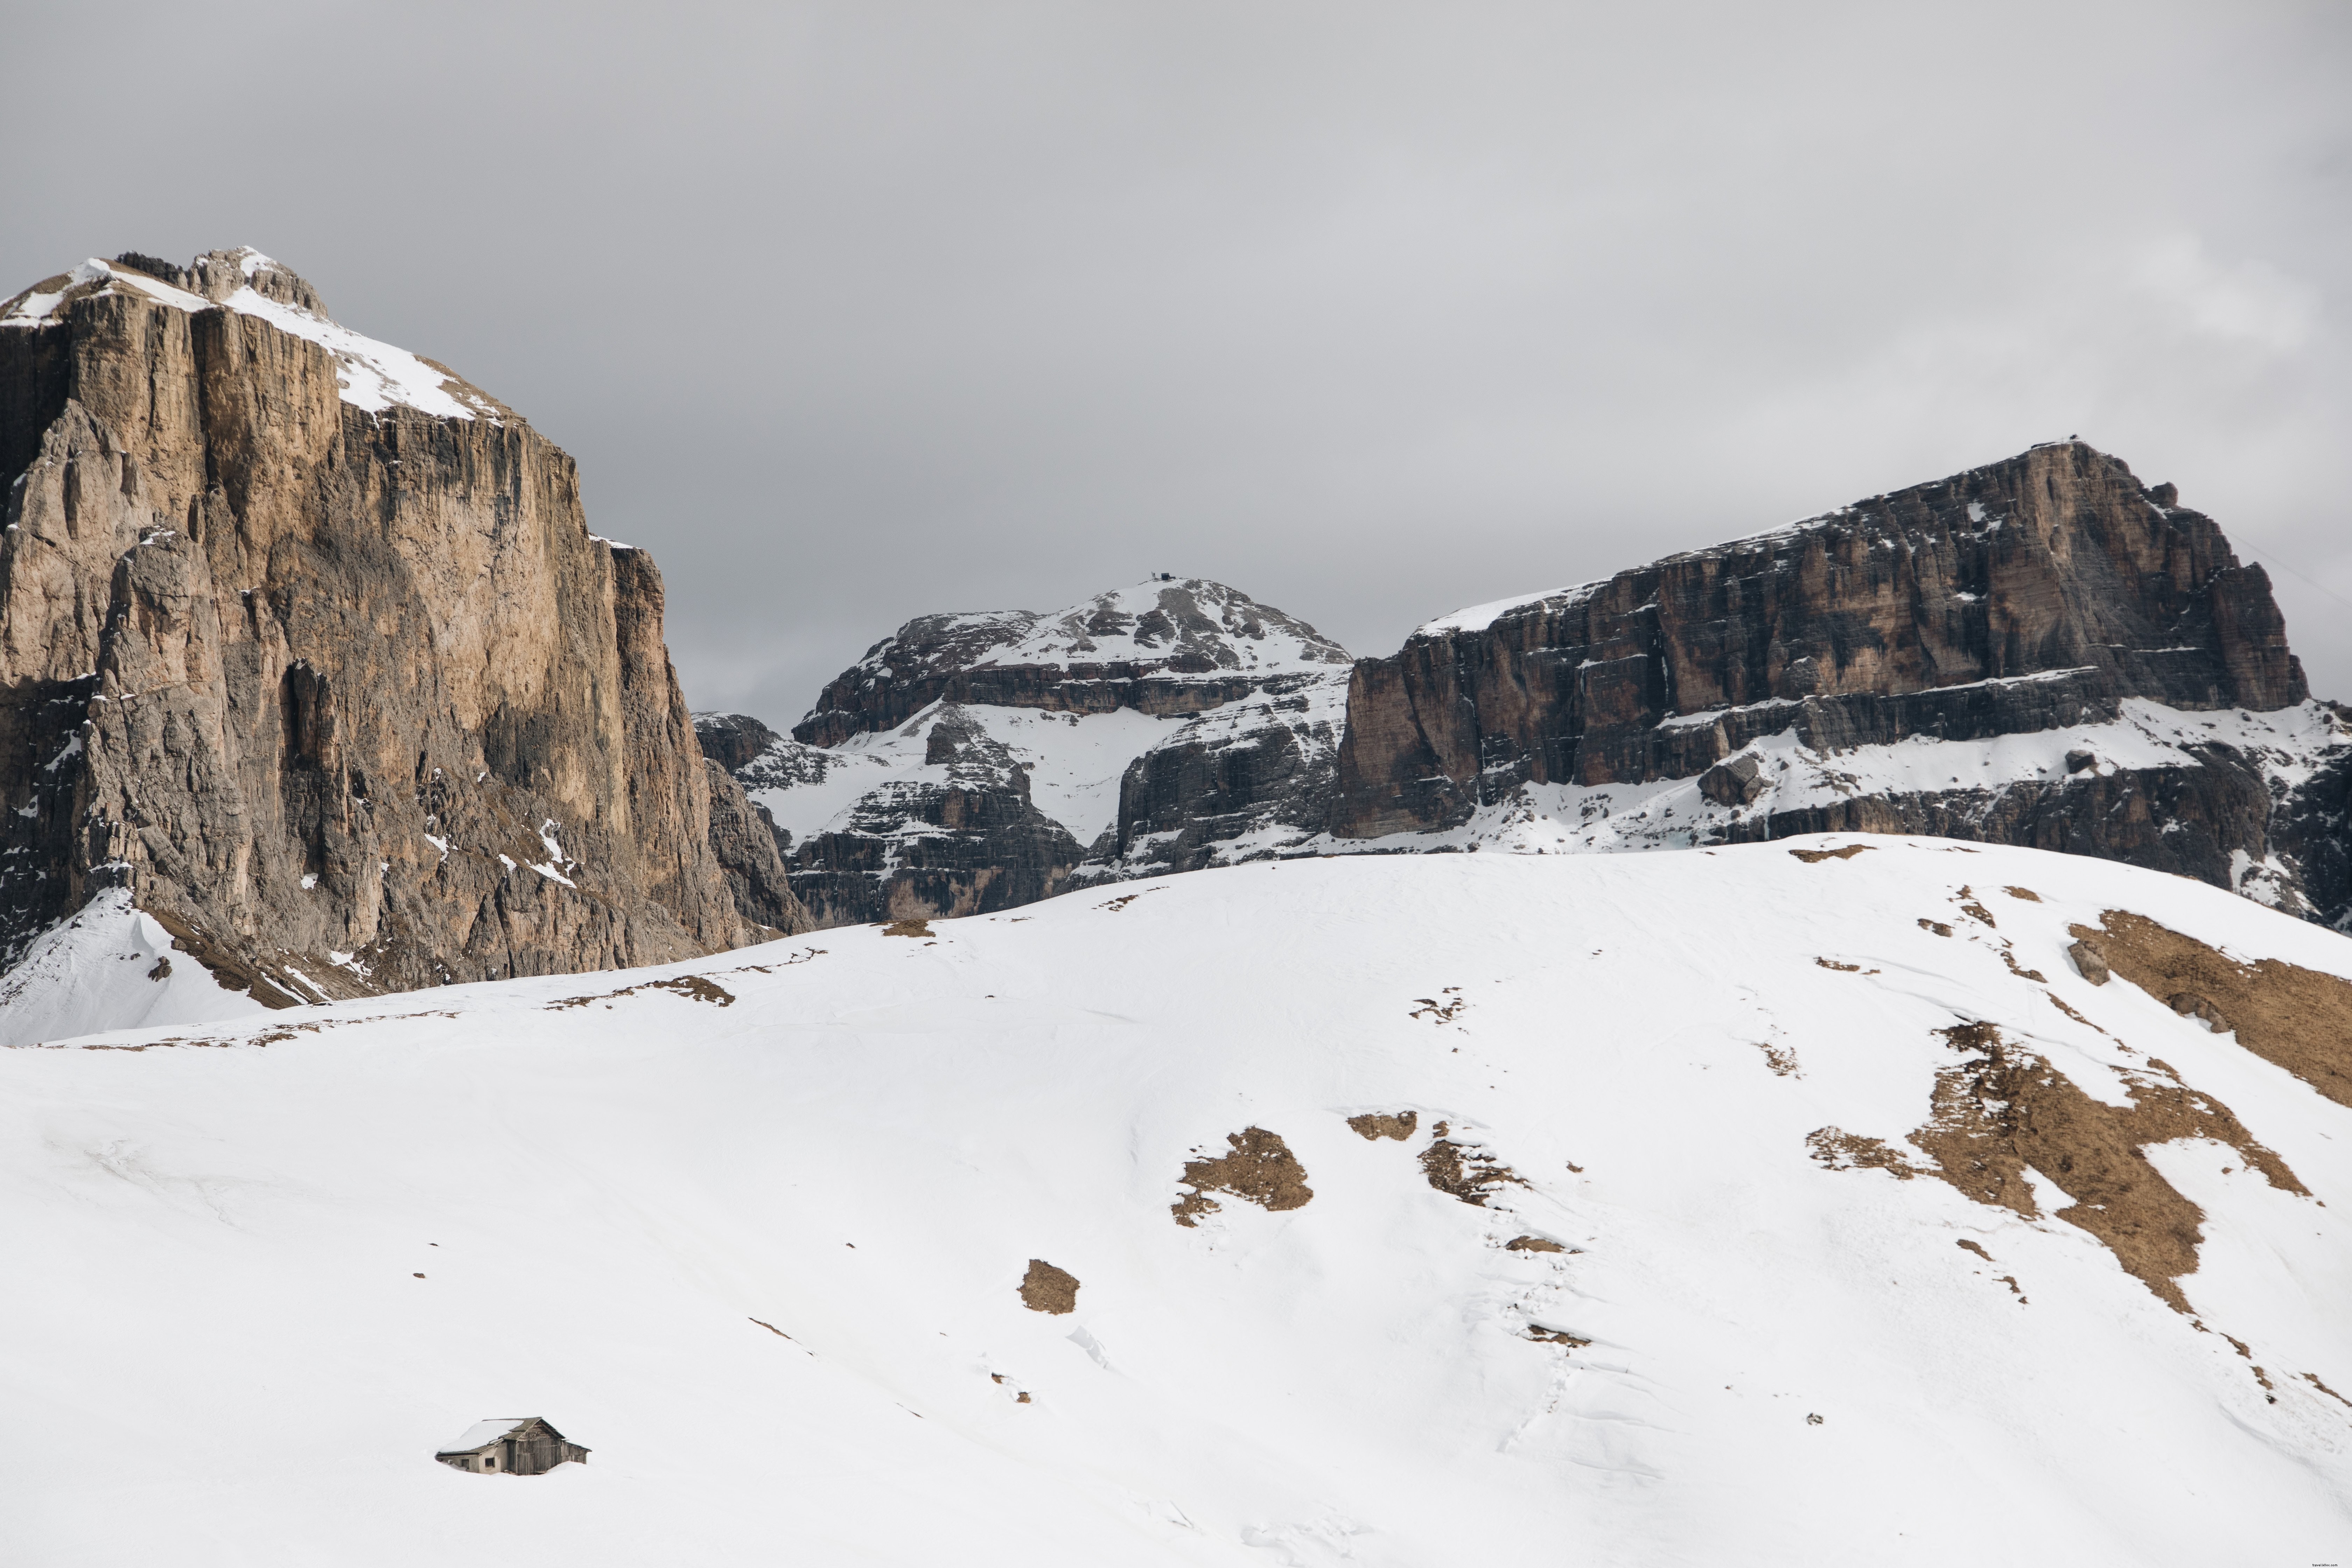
(1478, 617)
(1076, 761)
(1070, 637)
(2284, 746)
(371, 375)
(96, 970)
(482, 1432)
(613, 1205)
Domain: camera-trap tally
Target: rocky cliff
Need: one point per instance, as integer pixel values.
(975, 762)
(305, 643)
(2042, 651)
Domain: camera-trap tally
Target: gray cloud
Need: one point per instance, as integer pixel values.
(855, 311)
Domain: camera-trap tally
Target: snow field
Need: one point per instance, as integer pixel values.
(215, 1248)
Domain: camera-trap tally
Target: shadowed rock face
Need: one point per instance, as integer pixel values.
(2028, 595)
(322, 684)
(1166, 648)
(1167, 726)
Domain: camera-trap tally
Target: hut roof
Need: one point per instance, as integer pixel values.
(483, 1433)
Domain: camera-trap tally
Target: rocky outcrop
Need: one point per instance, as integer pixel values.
(960, 836)
(1168, 648)
(304, 642)
(1791, 680)
(2042, 652)
(975, 762)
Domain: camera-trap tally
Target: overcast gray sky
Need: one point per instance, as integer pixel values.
(855, 311)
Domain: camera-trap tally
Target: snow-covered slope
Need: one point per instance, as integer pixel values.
(110, 966)
(756, 1231)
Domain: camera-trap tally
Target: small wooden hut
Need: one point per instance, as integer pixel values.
(510, 1446)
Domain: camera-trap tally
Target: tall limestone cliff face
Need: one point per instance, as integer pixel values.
(972, 762)
(2052, 595)
(305, 641)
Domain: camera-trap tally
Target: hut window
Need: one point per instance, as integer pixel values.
(489, 1464)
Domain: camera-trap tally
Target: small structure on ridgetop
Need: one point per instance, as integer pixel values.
(510, 1446)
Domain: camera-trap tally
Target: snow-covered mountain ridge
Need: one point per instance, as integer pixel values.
(1775, 1204)
(975, 762)
(2042, 651)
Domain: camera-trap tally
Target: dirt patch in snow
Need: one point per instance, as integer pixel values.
(907, 928)
(2019, 970)
(2313, 1378)
(2002, 1109)
(1045, 1289)
(2028, 894)
(1815, 857)
(2060, 1003)
(1257, 1168)
(1373, 1126)
(1938, 927)
(1779, 1058)
(1532, 1243)
(694, 987)
(1441, 1008)
(2296, 1018)
(1461, 1171)
(1842, 1151)
(1556, 1337)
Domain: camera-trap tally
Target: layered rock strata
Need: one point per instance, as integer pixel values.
(305, 643)
(1792, 680)
(971, 763)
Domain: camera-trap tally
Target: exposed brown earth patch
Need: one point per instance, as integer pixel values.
(1532, 1243)
(1258, 1169)
(1841, 968)
(1938, 927)
(2028, 894)
(1779, 1058)
(1373, 1126)
(694, 987)
(2296, 1018)
(1045, 1289)
(2019, 970)
(1975, 910)
(1556, 1337)
(2313, 1378)
(1842, 1151)
(907, 928)
(1815, 857)
(2003, 1109)
(772, 1329)
(2260, 1376)
(2060, 1003)
(1466, 1172)
(1976, 1247)
(1440, 1009)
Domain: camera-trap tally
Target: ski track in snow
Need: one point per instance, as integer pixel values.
(218, 1348)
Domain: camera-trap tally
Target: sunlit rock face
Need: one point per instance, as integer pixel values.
(304, 642)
